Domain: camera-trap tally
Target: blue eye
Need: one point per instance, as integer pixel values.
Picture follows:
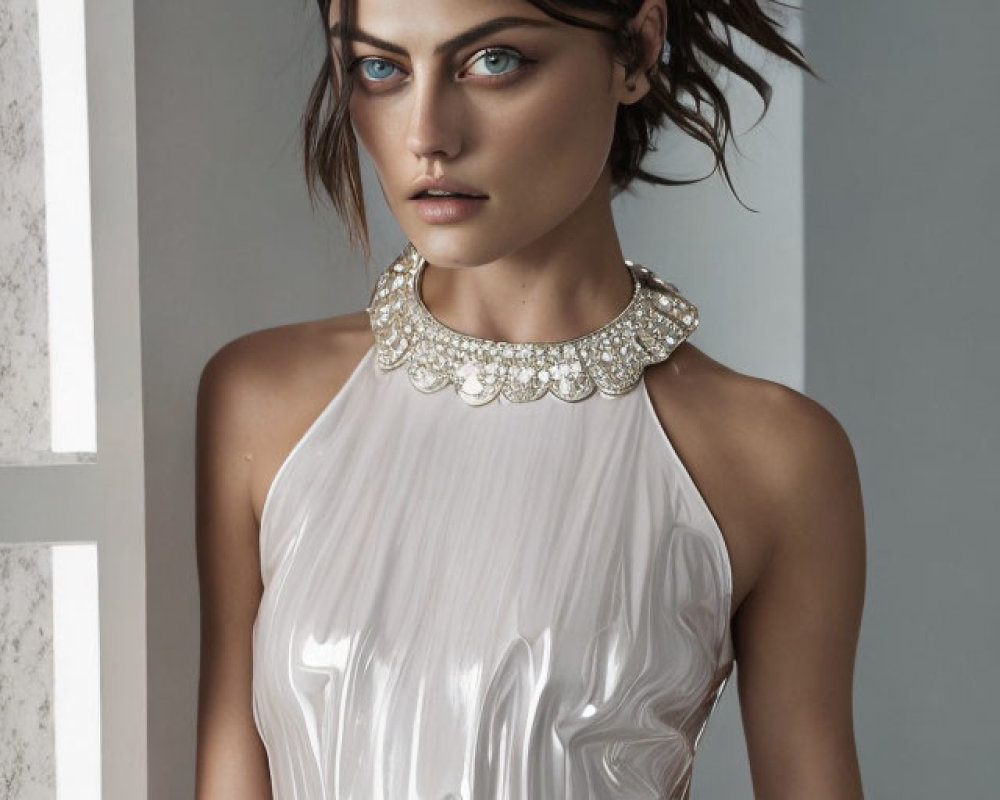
(380, 73)
(494, 58)
(378, 70)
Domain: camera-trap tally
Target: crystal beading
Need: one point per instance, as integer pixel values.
(612, 358)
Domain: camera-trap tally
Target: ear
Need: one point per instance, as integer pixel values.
(649, 26)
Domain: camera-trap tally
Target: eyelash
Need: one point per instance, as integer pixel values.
(485, 52)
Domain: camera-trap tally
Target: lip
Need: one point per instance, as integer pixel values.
(444, 184)
(444, 210)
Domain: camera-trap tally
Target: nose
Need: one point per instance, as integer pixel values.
(434, 120)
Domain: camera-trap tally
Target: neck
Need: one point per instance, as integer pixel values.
(563, 285)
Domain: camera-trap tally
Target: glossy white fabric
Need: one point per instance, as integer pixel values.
(516, 601)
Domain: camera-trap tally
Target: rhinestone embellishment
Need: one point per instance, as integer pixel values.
(610, 359)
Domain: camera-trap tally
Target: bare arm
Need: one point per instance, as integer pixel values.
(231, 760)
(797, 631)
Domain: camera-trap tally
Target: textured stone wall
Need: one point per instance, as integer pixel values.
(24, 361)
(27, 739)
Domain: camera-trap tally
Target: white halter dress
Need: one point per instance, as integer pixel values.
(510, 589)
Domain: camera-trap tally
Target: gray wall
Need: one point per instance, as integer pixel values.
(902, 277)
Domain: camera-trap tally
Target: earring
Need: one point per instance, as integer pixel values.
(664, 54)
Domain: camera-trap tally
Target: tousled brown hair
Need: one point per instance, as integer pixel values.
(683, 90)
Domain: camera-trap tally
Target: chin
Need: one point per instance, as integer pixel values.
(473, 243)
(456, 245)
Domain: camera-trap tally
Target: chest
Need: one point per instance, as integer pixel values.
(535, 599)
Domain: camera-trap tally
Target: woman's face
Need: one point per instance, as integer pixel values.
(524, 115)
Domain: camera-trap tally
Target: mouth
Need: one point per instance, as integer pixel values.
(450, 207)
(435, 195)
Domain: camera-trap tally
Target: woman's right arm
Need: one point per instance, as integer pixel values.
(231, 759)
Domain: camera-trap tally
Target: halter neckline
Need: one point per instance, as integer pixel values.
(610, 358)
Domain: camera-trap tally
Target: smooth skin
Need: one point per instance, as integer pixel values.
(542, 262)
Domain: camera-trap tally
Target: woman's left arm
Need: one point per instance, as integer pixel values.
(796, 633)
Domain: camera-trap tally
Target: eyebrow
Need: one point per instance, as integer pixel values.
(467, 37)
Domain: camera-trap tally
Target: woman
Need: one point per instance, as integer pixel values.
(447, 546)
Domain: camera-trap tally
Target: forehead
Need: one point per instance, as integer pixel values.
(431, 17)
(426, 24)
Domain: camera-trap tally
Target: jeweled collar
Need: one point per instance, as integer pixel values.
(611, 358)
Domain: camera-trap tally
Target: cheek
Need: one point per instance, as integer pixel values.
(373, 132)
(560, 140)
(361, 121)
(362, 129)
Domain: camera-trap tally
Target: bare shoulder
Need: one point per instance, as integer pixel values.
(777, 428)
(249, 375)
(765, 456)
(273, 382)
(274, 354)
